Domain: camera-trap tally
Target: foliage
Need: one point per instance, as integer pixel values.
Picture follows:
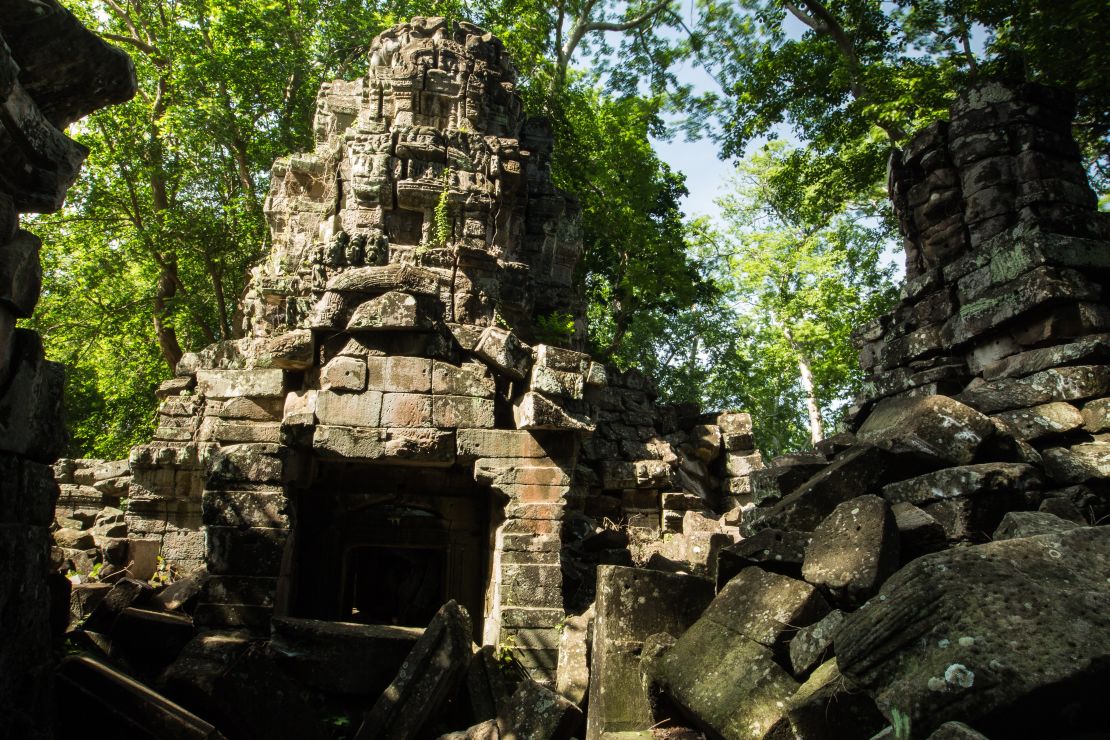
(636, 263)
(555, 328)
(852, 78)
(441, 216)
(796, 289)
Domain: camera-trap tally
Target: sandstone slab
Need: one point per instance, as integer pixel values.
(955, 636)
(853, 550)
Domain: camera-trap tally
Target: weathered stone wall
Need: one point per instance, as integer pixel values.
(52, 72)
(1004, 249)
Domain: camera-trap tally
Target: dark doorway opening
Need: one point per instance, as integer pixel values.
(394, 585)
(389, 546)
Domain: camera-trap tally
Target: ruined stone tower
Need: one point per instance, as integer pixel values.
(389, 434)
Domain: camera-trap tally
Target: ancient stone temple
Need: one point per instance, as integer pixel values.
(392, 432)
(41, 92)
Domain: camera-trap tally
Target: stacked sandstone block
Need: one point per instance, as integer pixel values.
(1005, 306)
(1004, 250)
(42, 91)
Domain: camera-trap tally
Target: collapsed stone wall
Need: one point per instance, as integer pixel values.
(939, 570)
(1005, 251)
(41, 92)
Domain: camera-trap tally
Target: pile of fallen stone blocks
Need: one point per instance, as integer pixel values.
(918, 578)
(939, 570)
(146, 670)
(92, 539)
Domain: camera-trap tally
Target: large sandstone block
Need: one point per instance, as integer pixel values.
(955, 636)
(1087, 351)
(502, 350)
(853, 473)
(538, 713)
(429, 677)
(231, 383)
(343, 374)
(633, 604)
(293, 350)
(254, 463)
(739, 694)
(476, 443)
(31, 423)
(377, 279)
(533, 411)
(1057, 384)
(1042, 421)
(393, 311)
(1014, 479)
(765, 607)
(853, 550)
(969, 501)
(114, 702)
(338, 657)
(349, 409)
(736, 430)
(255, 551)
(28, 492)
(462, 412)
(20, 274)
(406, 410)
(741, 691)
(771, 549)
(1082, 462)
(826, 706)
(468, 379)
(399, 374)
(935, 427)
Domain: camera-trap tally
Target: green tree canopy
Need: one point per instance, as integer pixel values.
(852, 78)
(796, 288)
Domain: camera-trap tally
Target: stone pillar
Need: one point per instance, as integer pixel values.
(52, 72)
(532, 473)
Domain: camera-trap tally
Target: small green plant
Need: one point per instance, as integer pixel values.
(338, 720)
(94, 574)
(900, 723)
(123, 502)
(441, 217)
(503, 653)
(555, 328)
(499, 319)
(163, 574)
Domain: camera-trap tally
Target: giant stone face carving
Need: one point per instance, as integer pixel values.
(427, 161)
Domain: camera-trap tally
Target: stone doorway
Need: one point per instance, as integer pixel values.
(389, 545)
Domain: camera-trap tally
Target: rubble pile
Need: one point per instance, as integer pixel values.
(939, 571)
(145, 669)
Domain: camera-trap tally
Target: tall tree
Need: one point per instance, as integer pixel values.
(798, 286)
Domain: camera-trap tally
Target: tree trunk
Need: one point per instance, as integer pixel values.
(167, 336)
(805, 375)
